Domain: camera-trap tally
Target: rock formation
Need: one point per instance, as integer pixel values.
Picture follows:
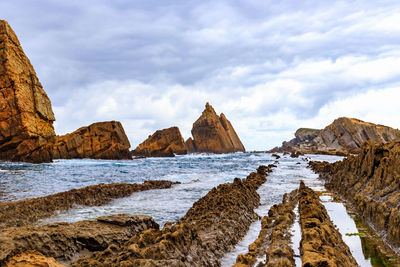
(29, 211)
(32, 258)
(64, 241)
(213, 225)
(101, 140)
(371, 182)
(321, 243)
(341, 137)
(215, 134)
(190, 145)
(163, 143)
(26, 116)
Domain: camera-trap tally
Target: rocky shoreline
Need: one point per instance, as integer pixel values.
(29, 211)
(370, 182)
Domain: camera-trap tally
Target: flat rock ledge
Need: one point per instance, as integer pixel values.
(29, 211)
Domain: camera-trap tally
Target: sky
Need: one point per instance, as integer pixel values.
(270, 66)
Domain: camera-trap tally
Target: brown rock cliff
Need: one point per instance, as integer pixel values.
(215, 134)
(101, 140)
(163, 143)
(26, 116)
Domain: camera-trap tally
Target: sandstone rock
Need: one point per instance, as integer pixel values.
(321, 243)
(25, 212)
(163, 143)
(343, 136)
(213, 225)
(64, 241)
(215, 134)
(101, 140)
(190, 145)
(26, 116)
(32, 258)
(371, 182)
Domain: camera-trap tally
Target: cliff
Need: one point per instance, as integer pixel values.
(163, 143)
(215, 134)
(342, 136)
(101, 140)
(370, 181)
(26, 116)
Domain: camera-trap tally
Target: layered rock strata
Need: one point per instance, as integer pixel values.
(26, 116)
(163, 143)
(341, 137)
(24, 212)
(321, 243)
(101, 140)
(63, 241)
(214, 134)
(210, 228)
(370, 181)
(273, 241)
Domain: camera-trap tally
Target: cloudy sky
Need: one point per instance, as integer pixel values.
(270, 66)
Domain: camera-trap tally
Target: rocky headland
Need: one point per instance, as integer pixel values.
(26, 116)
(163, 143)
(213, 134)
(101, 140)
(370, 181)
(342, 137)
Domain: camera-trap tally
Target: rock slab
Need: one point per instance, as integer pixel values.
(26, 116)
(101, 140)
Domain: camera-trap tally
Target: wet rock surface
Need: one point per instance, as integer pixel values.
(163, 143)
(273, 241)
(24, 212)
(321, 243)
(370, 181)
(214, 134)
(210, 228)
(341, 137)
(101, 140)
(64, 241)
(26, 115)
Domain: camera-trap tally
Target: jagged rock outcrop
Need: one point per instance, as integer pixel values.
(64, 241)
(214, 134)
(26, 116)
(321, 243)
(32, 258)
(190, 145)
(371, 182)
(29, 211)
(101, 140)
(213, 225)
(341, 137)
(163, 143)
(274, 238)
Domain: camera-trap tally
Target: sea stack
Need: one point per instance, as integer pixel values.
(342, 136)
(214, 134)
(26, 116)
(162, 143)
(101, 140)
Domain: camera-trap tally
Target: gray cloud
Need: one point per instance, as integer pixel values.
(152, 64)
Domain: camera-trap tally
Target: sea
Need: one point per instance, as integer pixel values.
(197, 173)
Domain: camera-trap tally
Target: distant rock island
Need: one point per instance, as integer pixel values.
(341, 137)
(26, 116)
(211, 134)
(163, 143)
(101, 140)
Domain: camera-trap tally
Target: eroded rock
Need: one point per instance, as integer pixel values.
(214, 134)
(26, 116)
(32, 258)
(213, 225)
(101, 140)
(28, 211)
(64, 241)
(163, 143)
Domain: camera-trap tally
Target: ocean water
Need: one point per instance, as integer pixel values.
(198, 174)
